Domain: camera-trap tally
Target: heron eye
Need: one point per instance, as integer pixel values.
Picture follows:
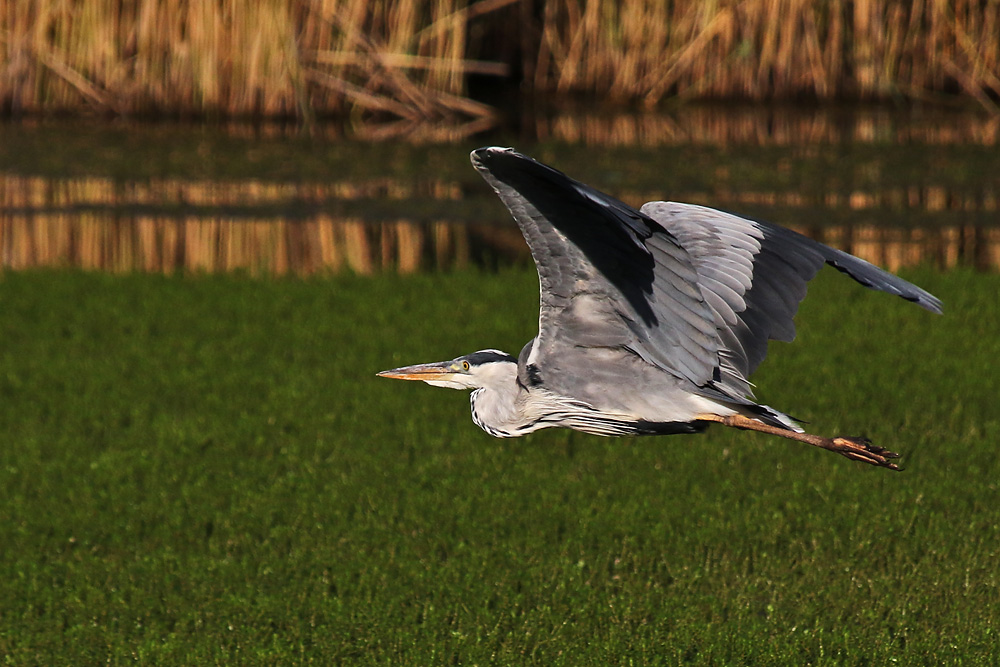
(465, 366)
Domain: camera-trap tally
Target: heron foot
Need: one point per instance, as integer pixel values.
(862, 449)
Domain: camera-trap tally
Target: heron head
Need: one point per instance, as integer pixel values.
(470, 371)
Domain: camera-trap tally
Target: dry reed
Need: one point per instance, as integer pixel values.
(263, 58)
(409, 60)
(647, 49)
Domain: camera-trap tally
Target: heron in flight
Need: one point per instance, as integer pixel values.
(651, 321)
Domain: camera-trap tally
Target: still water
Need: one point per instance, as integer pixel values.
(896, 187)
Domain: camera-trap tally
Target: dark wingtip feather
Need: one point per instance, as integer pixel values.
(873, 277)
(926, 300)
(481, 156)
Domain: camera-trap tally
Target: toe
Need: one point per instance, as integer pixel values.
(862, 449)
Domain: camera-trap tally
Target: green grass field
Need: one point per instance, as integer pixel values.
(206, 470)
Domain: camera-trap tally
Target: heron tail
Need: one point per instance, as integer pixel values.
(769, 415)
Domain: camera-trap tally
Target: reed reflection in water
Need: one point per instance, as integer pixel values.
(322, 244)
(756, 125)
(177, 226)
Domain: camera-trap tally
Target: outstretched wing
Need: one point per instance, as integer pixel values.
(691, 290)
(753, 275)
(609, 276)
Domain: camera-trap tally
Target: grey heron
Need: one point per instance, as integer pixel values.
(650, 321)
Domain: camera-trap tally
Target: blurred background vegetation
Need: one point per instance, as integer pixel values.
(459, 60)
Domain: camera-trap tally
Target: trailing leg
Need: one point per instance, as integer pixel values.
(855, 448)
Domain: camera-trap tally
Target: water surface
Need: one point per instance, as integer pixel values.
(898, 188)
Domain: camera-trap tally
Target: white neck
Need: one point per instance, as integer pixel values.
(495, 406)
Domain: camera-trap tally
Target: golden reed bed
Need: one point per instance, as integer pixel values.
(411, 60)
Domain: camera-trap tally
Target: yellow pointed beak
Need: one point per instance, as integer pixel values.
(436, 371)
